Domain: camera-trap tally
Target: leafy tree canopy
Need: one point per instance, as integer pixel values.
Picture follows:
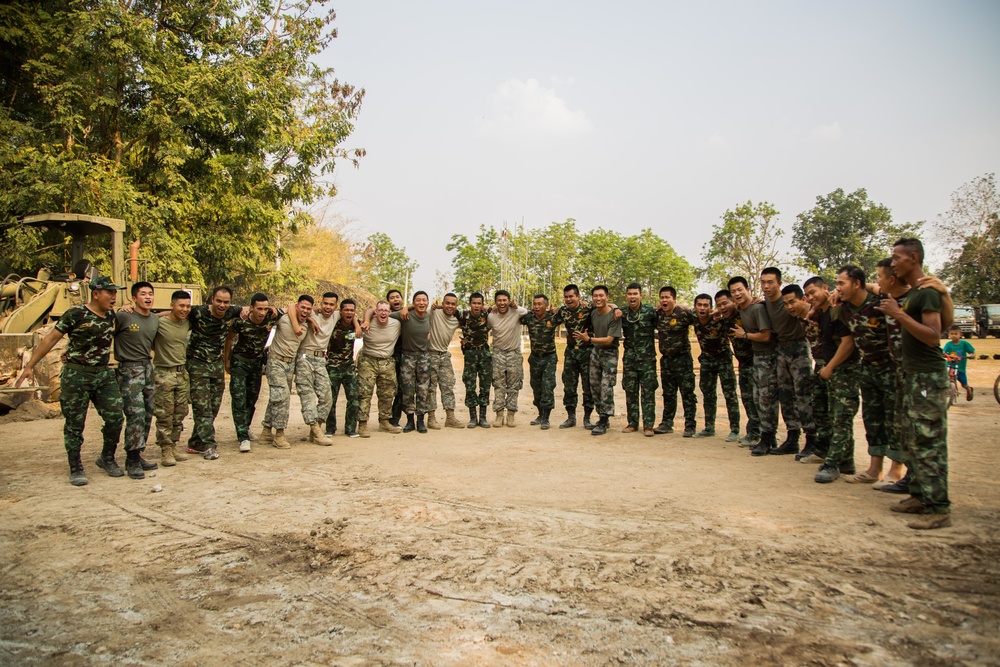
(970, 231)
(744, 244)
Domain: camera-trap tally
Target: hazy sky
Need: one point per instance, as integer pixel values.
(653, 114)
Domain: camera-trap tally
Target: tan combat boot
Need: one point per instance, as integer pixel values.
(432, 421)
(384, 425)
(179, 454)
(317, 435)
(280, 441)
(363, 430)
(266, 435)
(450, 421)
(510, 419)
(498, 421)
(167, 455)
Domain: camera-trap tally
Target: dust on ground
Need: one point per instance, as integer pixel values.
(507, 546)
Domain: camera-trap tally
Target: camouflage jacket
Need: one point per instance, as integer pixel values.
(541, 333)
(251, 338)
(90, 336)
(639, 331)
(672, 330)
(894, 330)
(340, 351)
(713, 336)
(575, 321)
(208, 334)
(475, 332)
(869, 328)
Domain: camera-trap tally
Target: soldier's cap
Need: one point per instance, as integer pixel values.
(105, 283)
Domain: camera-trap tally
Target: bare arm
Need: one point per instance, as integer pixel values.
(43, 348)
(228, 349)
(843, 352)
(927, 332)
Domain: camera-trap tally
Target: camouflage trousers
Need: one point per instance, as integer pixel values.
(542, 376)
(279, 392)
(508, 378)
(415, 374)
(443, 380)
(878, 404)
(346, 377)
(170, 402)
(844, 401)
(640, 385)
(397, 400)
(716, 370)
(478, 368)
(245, 376)
(208, 383)
(313, 385)
(926, 439)
(576, 364)
(677, 374)
(821, 402)
(78, 389)
(795, 378)
(746, 379)
(897, 450)
(765, 389)
(603, 378)
(376, 375)
(136, 387)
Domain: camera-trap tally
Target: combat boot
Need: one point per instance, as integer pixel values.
(510, 419)
(450, 420)
(363, 429)
(167, 456)
(765, 444)
(570, 419)
(543, 420)
(421, 426)
(280, 441)
(473, 419)
(410, 423)
(601, 427)
(317, 435)
(331, 422)
(826, 474)
(432, 421)
(76, 476)
(133, 466)
(266, 435)
(664, 427)
(179, 454)
(498, 421)
(809, 449)
(146, 465)
(789, 446)
(383, 425)
(587, 424)
(483, 422)
(106, 462)
(537, 420)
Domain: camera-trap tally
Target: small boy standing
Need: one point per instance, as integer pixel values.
(961, 348)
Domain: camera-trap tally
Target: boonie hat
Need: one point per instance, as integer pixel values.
(103, 282)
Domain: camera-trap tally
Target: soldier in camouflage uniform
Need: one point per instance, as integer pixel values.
(508, 360)
(575, 316)
(542, 360)
(244, 357)
(743, 351)
(415, 371)
(444, 323)
(877, 374)
(377, 369)
(395, 300)
(639, 362)
(607, 330)
(478, 360)
(340, 367)
(716, 362)
(895, 477)
(676, 363)
(170, 376)
(926, 383)
(134, 335)
(85, 376)
(289, 332)
(206, 368)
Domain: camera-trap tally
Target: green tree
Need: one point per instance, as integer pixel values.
(476, 266)
(599, 262)
(552, 251)
(383, 265)
(970, 231)
(652, 262)
(846, 229)
(204, 124)
(743, 245)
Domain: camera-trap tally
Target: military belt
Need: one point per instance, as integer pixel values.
(317, 353)
(876, 362)
(85, 369)
(126, 364)
(287, 360)
(249, 359)
(171, 369)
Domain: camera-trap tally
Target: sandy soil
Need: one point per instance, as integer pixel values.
(493, 547)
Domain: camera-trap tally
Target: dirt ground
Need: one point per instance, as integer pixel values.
(494, 547)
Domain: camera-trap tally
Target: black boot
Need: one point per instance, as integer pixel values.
(106, 461)
(543, 419)
(473, 419)
(764, 446)
(421, 426)
(76, 476)
(789, 446)
(664, 426)
(409, 423)
(537, 420)
(809, 449)
(132, 465)
(601, 427)
(902, 486)
(483, 421)
(570, 420)
(146, 465)
(586, 418)
(331, 422)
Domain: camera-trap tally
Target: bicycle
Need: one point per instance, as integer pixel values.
(952, 362)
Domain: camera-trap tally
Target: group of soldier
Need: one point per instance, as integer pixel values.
(817, 354)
